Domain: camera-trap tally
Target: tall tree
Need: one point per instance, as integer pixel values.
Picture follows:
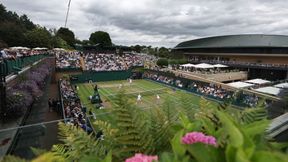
(27, 23)
(101, 37)
(12, 34)
(39, 37)
(66, 35)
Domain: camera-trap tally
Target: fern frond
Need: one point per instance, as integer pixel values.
(10, 158)
(253, 114)
(77, 144)
(133, 131)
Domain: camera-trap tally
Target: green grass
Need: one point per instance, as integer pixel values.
(147, 89)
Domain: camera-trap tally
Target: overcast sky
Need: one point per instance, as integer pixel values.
(158, 22)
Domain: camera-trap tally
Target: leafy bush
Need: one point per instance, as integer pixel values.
(22, 95)
(17, 103)
(162, 62)
(172, 133)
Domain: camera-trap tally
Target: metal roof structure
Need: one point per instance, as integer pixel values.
(234, 41)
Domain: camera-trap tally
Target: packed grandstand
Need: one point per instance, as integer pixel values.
(137, 96)
(83, 91)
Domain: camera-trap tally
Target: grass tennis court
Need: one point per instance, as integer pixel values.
(146, 88)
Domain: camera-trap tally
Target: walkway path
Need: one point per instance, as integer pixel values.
(41, 136)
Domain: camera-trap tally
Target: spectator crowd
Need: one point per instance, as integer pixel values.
(13, 53)
(210, 90)
(68, 59)
(72, 107)
(101, 61)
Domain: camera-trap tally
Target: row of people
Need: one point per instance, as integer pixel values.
(68, 59)
(101, 61)
(13, 54)
(202, 88)
(72, 107)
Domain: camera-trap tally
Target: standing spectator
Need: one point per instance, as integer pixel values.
(50, 104)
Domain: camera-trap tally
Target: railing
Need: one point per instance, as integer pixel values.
(61, 101)
(244, 64)
(13, 65)
(88, 121)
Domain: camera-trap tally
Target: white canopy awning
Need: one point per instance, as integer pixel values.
(187, 65)
(257, 81)
(59, 49)
(203, 66)
(240, 84)
(220, 66)
(269, 90)
(281, 85)
(39, 48)
(19, 48)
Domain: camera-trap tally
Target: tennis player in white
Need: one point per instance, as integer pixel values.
(158, 98)
(139, 98)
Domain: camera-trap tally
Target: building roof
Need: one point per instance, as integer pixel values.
(281, 85)
(257, 81)
(240, 84)
(269, 90)
(234, 41)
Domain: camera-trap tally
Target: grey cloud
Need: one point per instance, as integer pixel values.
(158, 22)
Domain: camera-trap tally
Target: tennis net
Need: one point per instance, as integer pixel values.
(143, 92)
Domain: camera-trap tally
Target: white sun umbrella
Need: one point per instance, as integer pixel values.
(58, 49)
(184, 65)
(187, 65)
(39, 48)
(190, 65)
(19, 48)
(220, 66)
(203, 66)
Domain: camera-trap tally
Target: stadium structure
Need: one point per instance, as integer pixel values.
(265, 55)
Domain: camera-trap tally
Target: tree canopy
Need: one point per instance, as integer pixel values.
(13, 27)
(102, 38)
(39, 37)
(66, 35)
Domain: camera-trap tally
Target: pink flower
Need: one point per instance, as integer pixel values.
(199, 137)
(142, 158)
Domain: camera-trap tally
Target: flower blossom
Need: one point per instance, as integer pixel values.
(142, 158)
(198, 137)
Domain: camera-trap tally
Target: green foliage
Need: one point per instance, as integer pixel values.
(13, 27)
(137, 48)
(253, 114)
(12, 34)
(39, 37)
(177, 61)
(131, 122)
(130, 130)
(77, 144)
(101, 37)
(60, 43)
(10, 158)
(162, 62)
(67, 35)
(37, 151)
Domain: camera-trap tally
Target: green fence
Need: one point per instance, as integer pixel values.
(68, 69)
(100, 76)
(14, 65)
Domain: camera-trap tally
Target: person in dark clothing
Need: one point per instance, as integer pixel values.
(96, 88)
(50, 104)
(54, 104)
